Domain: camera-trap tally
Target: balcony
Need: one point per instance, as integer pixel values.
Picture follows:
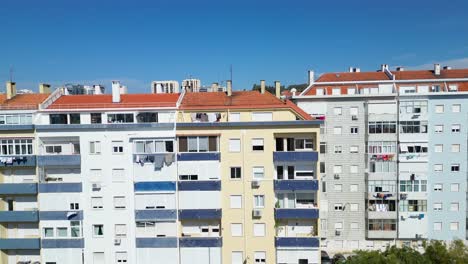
(391, 234)
(296, 213)
(18, 188)
(200, 242)
(59, 160)
(295, 156)
(199, 185)
(199, 156)
(413, 157)
(63, 243)
(296, 185)
(155, 186)
(310, 242)
(200, 214)
(61, 215)
(19, 243)
(159, 214)
(19, 216)
(18, 161)
(64, 187)
(156, 242)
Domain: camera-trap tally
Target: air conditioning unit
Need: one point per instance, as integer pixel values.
(354, 117)
(336, 176)
(117, 241)
(257, 213)
(418, 236)
(96, 186)
(255, 184)
(337, 232)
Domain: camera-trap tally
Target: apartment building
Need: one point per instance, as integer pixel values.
(158, 178)
(393, 155)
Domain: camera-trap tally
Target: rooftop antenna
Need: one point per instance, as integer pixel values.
(230, 70)
(11, 73)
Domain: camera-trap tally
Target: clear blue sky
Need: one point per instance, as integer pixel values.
(140, 41)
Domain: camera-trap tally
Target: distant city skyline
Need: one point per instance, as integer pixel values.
(91, 43)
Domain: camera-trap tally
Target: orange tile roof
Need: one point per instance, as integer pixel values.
(105, 101)
(238, 100)
(352, 76)
(22, 101)
(429, 74)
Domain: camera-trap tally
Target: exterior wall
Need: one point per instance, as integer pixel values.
(446, 177)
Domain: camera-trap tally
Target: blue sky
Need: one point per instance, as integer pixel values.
(140, 41)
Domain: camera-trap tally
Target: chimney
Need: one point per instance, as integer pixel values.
(277, 89)
(123, 89)
(116, 91)
(437, 69)
(400, 69)
(10, 90)
(447, 68)
(384, 67)
(293, 91)
(214, 87)
(229, 87)
(311, 77)
(357, 69)
(351, 69)
(262, 86)
(44, 88)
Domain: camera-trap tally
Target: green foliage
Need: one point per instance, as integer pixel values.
(435, 252)
(271, 89)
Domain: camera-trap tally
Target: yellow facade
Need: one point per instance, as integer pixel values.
(247, 159)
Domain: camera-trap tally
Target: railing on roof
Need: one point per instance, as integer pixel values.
(19, 107)
(52, 98)
(113, 105)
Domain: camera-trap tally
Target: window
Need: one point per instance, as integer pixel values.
(454, 187)
(438, 148)
(413, 205)
(259, 201)
(381, 147)
(188, 177)
(198, 144)
(454, 207)
(119, 118)
(98, 230)
(438, 167)
(338, 207)
(353, 111)
(15, 119)
(456, 128)
(413, 185)
(337, 130)
(382, 224)
(456, 108)
(438, 187)
(74, 206)
(303, 144)
(74, 118)
(236, 230)
(336, 91)
(236, 201)
(455, 147)
(338, 226)
(437, 226)
(262, 116)
(379, 127)
(117, 146)
(60, 119)
(234, 117)
(118, 175)
(319, 91)
(338, 149)
(413, 107)
(97, 203)
(337, 111)
(236, 173)
(439, 109)
(94, 147)
(454, 226)
(354, 207)
(259, 257)
(453, 88)
(96, 118)
(354, 226)
(437, 206)
(337, 169)
(151, 146)
(237, 257)
(147, 117)
(120, 230)
(23, 146)
(322, 167)
(439, 128)
(354, 130)
(121, 257)
(338, 187)
(413, 127)
(259, 229)
(234, 145)
(48, 232)
(351, 90)
(324, 186)
(455, 167)
(353, 149)
(53, 149)
(257, 144)
(75, 228)
(258, 173)
(353, 169)
(353, 188)
(119, 202)
(323, 147)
